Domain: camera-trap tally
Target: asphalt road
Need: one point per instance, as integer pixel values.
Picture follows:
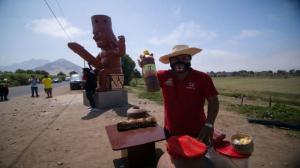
(26, 90)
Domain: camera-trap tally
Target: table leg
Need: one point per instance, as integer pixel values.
(142, 155)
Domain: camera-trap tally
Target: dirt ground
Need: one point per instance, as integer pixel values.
(59, 132)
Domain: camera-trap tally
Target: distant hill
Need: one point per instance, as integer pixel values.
(60, 65)
(29, 64)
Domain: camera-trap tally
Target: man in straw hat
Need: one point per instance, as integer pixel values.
(185, 91)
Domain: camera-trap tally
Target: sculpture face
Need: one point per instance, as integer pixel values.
(100, 39)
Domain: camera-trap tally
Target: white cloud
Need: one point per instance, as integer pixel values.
(52, 28)
(187, 32)
(246, 34)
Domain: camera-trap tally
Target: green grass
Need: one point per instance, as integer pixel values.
(280, 112)
(138, 87)
(258, 84)
(284, 92)
(281, 90)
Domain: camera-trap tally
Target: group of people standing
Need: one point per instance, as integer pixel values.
(47, 82)
(47, 86)
(34, 81)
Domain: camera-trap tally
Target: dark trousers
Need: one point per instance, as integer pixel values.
(34, 90)
(89, 94)
(3, 93)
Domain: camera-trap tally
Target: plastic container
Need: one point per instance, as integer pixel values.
(150, 76)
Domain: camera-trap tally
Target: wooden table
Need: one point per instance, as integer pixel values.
(139, 143)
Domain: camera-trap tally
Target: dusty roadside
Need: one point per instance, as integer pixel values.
(59, 132)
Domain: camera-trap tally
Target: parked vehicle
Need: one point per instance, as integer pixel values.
(56, 80)
(76, 82)
(67, 78)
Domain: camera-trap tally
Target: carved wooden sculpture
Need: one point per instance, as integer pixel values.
(108, 61)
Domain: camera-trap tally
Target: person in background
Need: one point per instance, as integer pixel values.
(47, 86)
(184, 92)
(34, 86)
(4, 89)
(90, 86)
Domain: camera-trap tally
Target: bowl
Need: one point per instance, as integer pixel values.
(242, 143)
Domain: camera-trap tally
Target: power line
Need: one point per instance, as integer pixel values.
(62, 13)
(57, 20)
(60, 9)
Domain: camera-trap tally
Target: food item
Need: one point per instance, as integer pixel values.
(242, 141)
(245, 140)
(136, 112)
(236, 141)
(136, 123)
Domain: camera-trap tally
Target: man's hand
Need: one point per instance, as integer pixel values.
(206, 135)
(77, 48)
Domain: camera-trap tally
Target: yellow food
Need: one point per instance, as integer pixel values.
(245, 140)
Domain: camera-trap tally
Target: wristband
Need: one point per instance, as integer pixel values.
(209, 125)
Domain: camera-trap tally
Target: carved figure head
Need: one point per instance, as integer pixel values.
(103, 33)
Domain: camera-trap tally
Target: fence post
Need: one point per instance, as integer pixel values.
(270, 103)
(242, 99)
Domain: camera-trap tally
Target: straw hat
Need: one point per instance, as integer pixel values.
(179, 50)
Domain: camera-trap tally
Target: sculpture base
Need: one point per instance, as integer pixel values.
(109, 99)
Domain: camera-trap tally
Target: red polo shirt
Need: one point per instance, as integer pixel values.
(184, 100)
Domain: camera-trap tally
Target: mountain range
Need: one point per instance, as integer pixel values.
(29, 64)
(60, 65)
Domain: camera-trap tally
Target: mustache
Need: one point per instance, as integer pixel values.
(186, 65)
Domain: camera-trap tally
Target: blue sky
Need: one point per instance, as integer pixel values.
(234, 34)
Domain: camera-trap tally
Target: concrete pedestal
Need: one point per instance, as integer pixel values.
(109, 99)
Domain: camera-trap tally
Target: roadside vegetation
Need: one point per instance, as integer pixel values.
(21, 77)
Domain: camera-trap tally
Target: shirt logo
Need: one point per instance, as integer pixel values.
(191, 85)
(169, 82)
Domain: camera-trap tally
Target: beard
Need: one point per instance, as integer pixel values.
(180, 67)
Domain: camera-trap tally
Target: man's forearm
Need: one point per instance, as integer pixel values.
(212, 109)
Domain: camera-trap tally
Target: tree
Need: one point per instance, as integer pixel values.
(41, 72)
(72, 72)
(136, 73)
(243, 73)
(29, 71)
(61, 74)
(292, 72)
(282, 73)
(20, 71)
(128, 66)
(297, 72)
(251, 73)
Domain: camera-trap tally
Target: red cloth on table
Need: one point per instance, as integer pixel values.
(185, 147)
